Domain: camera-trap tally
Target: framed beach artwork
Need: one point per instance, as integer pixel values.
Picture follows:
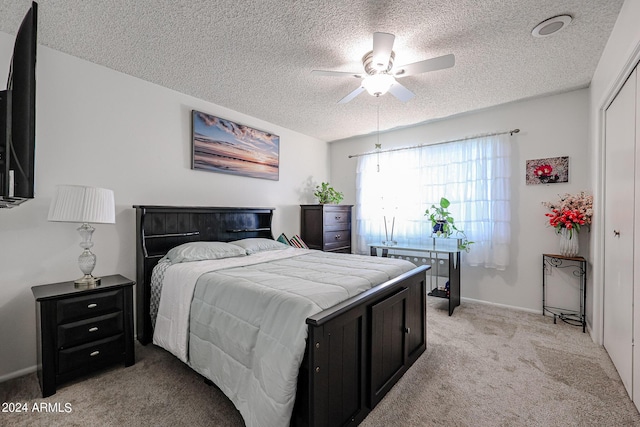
(220, 145)
(551, 170)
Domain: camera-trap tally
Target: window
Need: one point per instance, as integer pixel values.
(400, 185)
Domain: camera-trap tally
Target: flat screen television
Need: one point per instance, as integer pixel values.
(18, 117)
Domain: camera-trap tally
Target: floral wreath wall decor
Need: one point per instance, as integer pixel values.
(547, 171)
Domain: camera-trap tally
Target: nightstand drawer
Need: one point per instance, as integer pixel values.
(94, 353)
(92, 329)
(89, 306)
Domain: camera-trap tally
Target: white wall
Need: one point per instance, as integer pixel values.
(549, 127)
(620, 55)
(99, 127)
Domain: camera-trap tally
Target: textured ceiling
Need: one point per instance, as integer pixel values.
(256, 56)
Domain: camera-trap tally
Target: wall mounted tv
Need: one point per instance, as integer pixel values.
(18, 117)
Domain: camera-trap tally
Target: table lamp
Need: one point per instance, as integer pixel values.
(76, 203)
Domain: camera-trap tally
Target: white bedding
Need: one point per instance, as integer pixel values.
(172, 323)
(254, 310)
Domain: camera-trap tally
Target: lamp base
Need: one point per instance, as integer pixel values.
(87, 281)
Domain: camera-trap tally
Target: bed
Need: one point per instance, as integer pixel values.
(355, 350)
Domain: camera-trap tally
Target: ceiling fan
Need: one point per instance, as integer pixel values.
(379, 75)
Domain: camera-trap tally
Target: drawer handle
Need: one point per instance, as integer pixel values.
(92, 305)
(337, 236)
(338, 217)
(95, 353)
(95, 328)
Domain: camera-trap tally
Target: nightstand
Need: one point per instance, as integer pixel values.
(81, 330)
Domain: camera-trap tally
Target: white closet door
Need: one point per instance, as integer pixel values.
(618, 220)
(636, 256)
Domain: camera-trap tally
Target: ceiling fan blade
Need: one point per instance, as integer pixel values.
(401, 92)
(335, 74)
(382, 47)
(433, 64)
(352, 95)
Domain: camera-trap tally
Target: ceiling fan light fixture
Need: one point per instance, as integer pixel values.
(551, 26)
(379, 76)
(378, 84)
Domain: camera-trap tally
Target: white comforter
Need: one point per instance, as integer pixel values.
(255, 319)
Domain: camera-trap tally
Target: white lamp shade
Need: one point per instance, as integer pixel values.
(76, 203)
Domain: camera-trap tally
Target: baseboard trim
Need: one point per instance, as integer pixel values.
(512, 307)
(527, 310)
(18, 373)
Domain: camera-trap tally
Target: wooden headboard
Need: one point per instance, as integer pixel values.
(160, 228)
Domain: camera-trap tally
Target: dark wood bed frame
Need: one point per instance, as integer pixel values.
(356, 351)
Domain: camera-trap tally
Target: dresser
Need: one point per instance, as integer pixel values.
(326, 227)
(81, 330)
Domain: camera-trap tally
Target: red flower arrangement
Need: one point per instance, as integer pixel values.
(570, 212)
(567, 218)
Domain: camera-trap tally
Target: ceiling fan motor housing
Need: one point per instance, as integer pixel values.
(371, 68)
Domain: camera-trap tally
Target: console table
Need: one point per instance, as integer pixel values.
(579, 270)
(442, 255)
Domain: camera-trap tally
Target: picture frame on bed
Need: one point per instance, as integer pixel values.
(224, 146)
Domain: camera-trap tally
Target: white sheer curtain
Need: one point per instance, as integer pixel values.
(400, 185)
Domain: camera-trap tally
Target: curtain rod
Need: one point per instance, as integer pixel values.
(511, 132)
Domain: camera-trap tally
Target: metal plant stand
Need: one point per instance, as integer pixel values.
(579, 266)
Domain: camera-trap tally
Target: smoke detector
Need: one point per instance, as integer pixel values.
(551, 26)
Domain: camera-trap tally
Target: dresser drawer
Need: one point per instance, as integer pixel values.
(89, 306)
(336, 219)
(336, 239)
(93, 353)
(95, 328)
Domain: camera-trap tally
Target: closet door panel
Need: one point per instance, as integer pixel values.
(618, 220)
(636, 257)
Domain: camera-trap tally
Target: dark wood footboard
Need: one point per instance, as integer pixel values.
(356, 351)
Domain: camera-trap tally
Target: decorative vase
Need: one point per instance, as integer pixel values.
(568, 242)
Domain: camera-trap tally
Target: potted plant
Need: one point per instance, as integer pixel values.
(444, 224)
(441, 219)
(326, 194)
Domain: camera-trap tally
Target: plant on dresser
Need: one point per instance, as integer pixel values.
(81, 330)
(326, 194)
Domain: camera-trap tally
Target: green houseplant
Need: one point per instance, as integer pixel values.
(327, 194)
(443, 223)
(441, 219)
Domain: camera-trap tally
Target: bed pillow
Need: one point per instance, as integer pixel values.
(283, 239)
(198, 251)
(298, 242)
(256, 244)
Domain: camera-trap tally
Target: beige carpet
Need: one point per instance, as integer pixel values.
(484, 366)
